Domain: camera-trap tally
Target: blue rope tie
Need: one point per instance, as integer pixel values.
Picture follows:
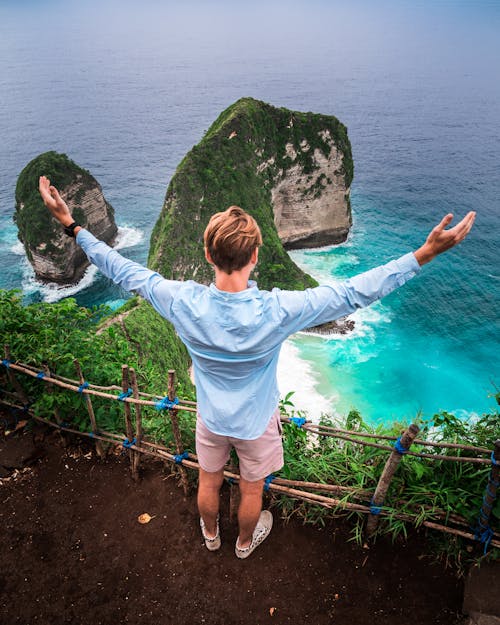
(484, 536)
(299, 421)
(374, 509)
(493, 460)
(489, 493)
(124, 395)
(128, 444)
(267, 482)
(40, 374)
(230, 480)
(82, 387)
(180, 457)
(63, 424)
(6, 363)
(166, 403)
(399, 447)
(91, 434)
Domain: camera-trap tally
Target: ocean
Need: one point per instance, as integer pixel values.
(126, 92)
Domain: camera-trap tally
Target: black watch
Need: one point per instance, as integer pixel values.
(70, 230)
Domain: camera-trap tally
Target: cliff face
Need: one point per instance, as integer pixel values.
(312, 210)
(292, 171)
(54, 256)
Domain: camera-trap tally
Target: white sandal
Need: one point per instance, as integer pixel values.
(212, 544)
(260, 533)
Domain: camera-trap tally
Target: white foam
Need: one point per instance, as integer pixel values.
(52, 292)
(295, 374)
(128, 237)
(18, 249)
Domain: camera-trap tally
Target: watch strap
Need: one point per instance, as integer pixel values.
(70, 230)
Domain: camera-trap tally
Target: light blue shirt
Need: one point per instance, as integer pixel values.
(234, 339)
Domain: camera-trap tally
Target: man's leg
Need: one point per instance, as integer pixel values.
(208, 499)
(249, 510)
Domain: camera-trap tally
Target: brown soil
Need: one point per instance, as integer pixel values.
(72, 551)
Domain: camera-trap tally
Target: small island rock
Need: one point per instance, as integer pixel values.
(54, 256)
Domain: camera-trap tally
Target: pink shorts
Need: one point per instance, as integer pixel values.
(258, 458)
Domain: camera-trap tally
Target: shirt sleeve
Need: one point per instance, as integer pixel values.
(130, 275)
(312, 307)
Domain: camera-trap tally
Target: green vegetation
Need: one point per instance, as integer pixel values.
(35, 226)
(55, 334)
(221, 171)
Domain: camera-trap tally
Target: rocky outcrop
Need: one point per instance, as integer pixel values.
(55, 257)
(311, 210)
(292, 171)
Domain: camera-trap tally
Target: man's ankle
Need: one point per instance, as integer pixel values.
(243, 545)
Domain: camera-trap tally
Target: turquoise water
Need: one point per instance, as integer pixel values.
(127, 95)
(420, 350)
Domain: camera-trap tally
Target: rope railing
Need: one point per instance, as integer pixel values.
(135, 444)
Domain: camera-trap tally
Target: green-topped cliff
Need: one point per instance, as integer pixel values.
(54, 256)
(292, 171)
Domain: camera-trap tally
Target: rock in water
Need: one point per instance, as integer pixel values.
(55, 257)
(292, 171)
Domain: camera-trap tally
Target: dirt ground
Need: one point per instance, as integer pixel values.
(72, 551)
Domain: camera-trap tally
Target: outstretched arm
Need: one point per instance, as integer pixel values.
(321, 304)
(128, 274)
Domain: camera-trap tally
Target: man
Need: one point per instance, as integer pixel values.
(233, 333)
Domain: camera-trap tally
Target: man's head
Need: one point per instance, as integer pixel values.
(231, 238)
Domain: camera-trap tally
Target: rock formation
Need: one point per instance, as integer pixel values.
(311, 210)
(292, 171)
(55, 257)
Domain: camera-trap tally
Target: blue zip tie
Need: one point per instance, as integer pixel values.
(230, 480)
(6, 363)
(128, 444)
(40, 375)
(399, 448)
(124, 395)
(374, 509)
(180, 457)
(166, 403)
(299, 421)
(493, 460)
(83, 386)
(267, 482)
(64, 424)
(91, 434)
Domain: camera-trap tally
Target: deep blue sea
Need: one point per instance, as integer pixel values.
(127, 91)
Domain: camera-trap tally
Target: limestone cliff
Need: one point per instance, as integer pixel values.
(292, 171)
(54, 256)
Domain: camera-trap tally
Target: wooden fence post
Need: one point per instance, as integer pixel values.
(128, 421)
(392, 463)
(175, 429)
(88, 402)
(51, 390)
(138, 423)
(13, 379)
(483, 531)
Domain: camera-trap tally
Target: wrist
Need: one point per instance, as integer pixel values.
(424, 254)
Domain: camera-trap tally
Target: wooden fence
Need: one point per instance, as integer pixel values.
(326, 495)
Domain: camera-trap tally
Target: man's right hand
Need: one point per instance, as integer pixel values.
(54, 202)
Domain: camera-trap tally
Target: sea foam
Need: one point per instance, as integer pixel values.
(297, 375)
(52, 292)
